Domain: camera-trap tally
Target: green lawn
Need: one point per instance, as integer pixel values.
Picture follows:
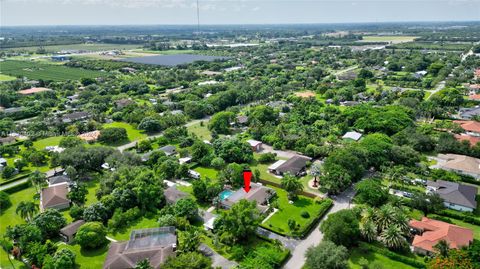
(357, 253)
(6, 77)
(201, 131)
(207, 172)
(143, 223)
(10, 218)
(133, 134)
(393, 39)
(88, 258)
(46, 142)
(278, 222)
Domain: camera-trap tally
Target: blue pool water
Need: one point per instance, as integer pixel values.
(225, 194)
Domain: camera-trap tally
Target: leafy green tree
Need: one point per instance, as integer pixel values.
(50, 222)
(24, 234)
(95, 212)
(220, 122)
(143, 264)
(427, 203)
(8, 172)
(370, 192)
(368, 230)
(91, 235)
(186, 207)
(150, 124)
(20, 164)
(292, 185)
(190, 239)
(78, 194)
(233, 150)
(63, 259)
(113, 135)
(342, 228)
(456, 259)
(232, 174)
(326, 255)
(27, 210)
(70, 142)
(442, 248)
(240, 221)
(189, 260)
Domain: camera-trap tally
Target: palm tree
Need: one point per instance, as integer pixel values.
(442, 248)
(292, 185)
(368, 214)
(27, 210)
(37, 179)
(392, 237)
(368, 229)
(385, 217)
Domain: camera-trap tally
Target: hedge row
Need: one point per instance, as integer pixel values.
(18, 187)
(13, 179)
(392, 255)
(460, 216)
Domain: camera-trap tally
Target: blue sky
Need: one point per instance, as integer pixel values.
(114, 12)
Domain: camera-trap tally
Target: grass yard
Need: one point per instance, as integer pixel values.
(132, 133)
(201, 131)
(357, 254)
(6, 78)
(36, 70)
(390, 39)
(207, 172)
(10, 218)
(50, 141)
(88, 258)
(278, 222)
(143, 223)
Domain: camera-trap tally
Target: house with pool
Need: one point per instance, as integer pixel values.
(258, 193)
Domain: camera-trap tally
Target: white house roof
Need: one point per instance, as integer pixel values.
(254, 143)
(352, 135)
(209, 224)
(276, 164)
(184, 160)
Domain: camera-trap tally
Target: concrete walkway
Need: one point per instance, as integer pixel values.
(218, 261)
(297, 259)
(289, 243)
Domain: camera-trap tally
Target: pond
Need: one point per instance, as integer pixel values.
(173, 60)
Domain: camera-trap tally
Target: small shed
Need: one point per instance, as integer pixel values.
(68, 232)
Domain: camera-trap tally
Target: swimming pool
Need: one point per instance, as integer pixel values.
(225, 194)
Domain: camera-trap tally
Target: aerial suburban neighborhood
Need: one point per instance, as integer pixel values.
(323, 145)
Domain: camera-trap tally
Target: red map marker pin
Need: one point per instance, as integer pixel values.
(247, 176)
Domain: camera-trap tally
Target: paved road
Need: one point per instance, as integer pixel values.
(289, 243)
(49, 173)
(218, 261)
(297, 259)
(438, 88)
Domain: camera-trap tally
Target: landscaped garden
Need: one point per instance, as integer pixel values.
(304, 211)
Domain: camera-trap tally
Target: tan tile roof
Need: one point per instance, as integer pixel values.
(460, 162)
(435, 231)
(55, 195)
(473, 140)
(90, 136)
(33, 90)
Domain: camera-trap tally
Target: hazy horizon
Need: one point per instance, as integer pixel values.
(232, 12)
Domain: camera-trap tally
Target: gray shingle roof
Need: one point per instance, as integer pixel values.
(455, 193)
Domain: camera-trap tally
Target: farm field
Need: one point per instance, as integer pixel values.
(88, 47)
(42, 71)
(389, 39)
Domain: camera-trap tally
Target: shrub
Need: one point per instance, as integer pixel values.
(4, 200)
(305, 214)
(392, 255)
(76, 212)
(91, 235)
(113, 135)
(460, 216)
(267, 157)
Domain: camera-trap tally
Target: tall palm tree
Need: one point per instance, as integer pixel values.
(368, 214)
(385, 217)
(27, 210)
(37, 179)
(368, 229)
(442, 248)
(292, 185)
(392, 237)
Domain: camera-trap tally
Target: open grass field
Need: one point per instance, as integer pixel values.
(279, 221)
(207, 172)
(394, 39)
(133, 134)
(87, 47)
(201, 131)
(36, 70)
(46, 142)
(6, 78)
(142, 223)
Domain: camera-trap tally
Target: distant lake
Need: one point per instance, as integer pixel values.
(172, 60)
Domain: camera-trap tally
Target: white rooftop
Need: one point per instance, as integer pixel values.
(352, 135)
(254, 143)
(276, 164)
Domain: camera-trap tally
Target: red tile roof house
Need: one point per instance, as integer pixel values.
(432, 231)
(33, 90)
(473, 140)
(469, 126)
(54, 197)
